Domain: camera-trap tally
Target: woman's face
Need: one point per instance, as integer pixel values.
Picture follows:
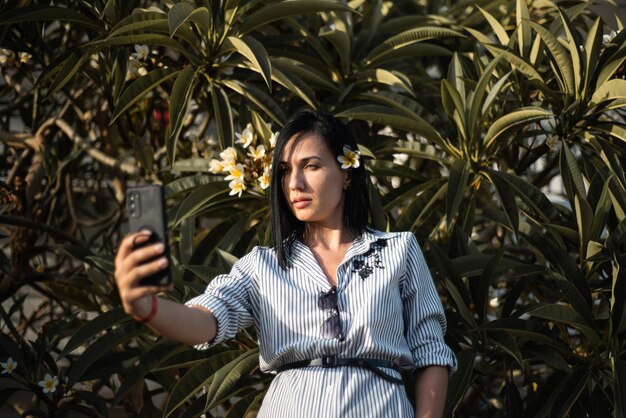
(313, 183)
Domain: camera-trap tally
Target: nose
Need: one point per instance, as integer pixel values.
(296, 180)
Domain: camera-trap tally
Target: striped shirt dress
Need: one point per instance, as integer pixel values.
(389, 310)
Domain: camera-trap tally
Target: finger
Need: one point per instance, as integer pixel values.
(142, 256)
(129, 242)
(144, 270)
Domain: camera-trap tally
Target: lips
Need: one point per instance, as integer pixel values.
(300, 202)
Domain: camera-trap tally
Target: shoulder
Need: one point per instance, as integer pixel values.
(259, 255)
(259, 251)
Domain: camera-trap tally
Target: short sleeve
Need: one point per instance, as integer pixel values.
(228, 298)
(424, 317)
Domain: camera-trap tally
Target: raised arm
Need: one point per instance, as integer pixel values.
(164, 316)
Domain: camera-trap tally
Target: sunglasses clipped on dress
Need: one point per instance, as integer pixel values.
(331, 327)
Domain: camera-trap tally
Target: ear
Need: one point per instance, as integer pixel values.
(347, 178)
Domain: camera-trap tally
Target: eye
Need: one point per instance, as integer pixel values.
(283, 169)
(312, 166)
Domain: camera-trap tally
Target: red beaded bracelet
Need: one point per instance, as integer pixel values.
(153, 311)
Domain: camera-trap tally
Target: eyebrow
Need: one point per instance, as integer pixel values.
(305, 159)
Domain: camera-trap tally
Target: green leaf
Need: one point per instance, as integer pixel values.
(281, 9)
(100, 347)
(341, 41)
(618, 300)
(246, 405)
(389, 78)
(411, 51)
(94, 327)
(529, 329)
(294, 84)
(254, 51)
(615, 61)
(510, 122)
(138, 88)
(516, 62)
(456, 77)
(259, 98)
(223, 116)
(481, 297)
(420, 206)
(566, 315)
(507, 343)
(459, 381)
(593, 46)
(611, 90)
(507, 200)
(497, 28)
(36, 13)
(148, 361)
(619, 384)
(194, 380)
(523, 30)
(306, 72)
(187, 234)
(148, 39)
(388, 168)
(228, 376)
(179, 101)
(572, 174)
(479, 93)
(197, 199)
(571, 391)
(531, 195)
(70, 66)
(183, 12)
(457, 182)
(584, 219)
(136, 21)
(387, 116)
(561, 57)
(573, 45)
(408, 38)
(548, 356)
(454, 105)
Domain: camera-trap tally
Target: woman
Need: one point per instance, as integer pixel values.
(338, 307)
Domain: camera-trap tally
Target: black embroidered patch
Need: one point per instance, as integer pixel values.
(364, 265)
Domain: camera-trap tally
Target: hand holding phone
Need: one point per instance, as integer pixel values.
(146, 211)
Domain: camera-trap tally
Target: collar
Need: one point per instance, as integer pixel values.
(360, 245)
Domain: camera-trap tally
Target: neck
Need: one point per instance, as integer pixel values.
(326, 237)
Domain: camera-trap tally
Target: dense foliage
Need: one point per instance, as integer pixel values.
(494, 130)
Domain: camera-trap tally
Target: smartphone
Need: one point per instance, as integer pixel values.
(146, 211)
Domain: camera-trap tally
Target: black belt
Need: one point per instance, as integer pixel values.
(334, 361)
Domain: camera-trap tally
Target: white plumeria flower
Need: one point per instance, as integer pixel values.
(49, 383)
(84, 386)
(264, 180)
(229, 154)
(5, 54)
(216, 166)
(25, 57)
(608, 38)
(349, 159)
(8, 366)
(257, 153)
(552, 141)
(273, 139)
(142, 52)
(246, 137)
(236, 187)
(237, 173)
